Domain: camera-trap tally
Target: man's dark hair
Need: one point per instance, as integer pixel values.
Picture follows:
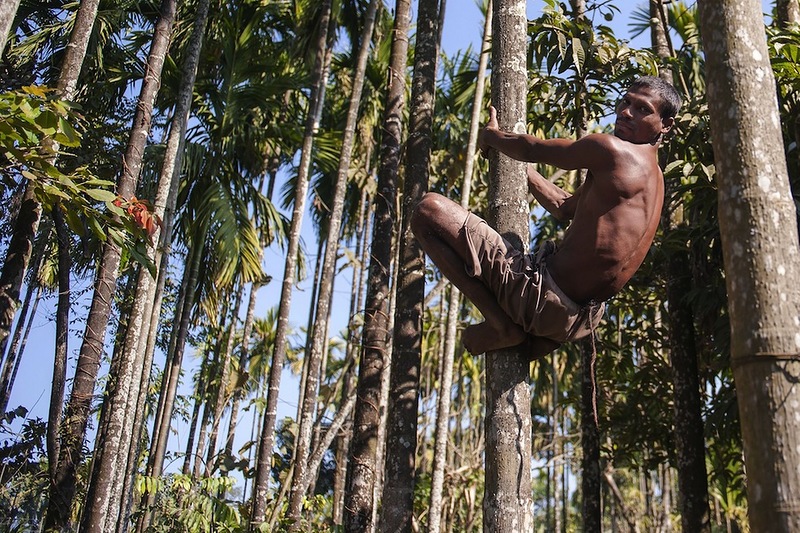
(670, 99)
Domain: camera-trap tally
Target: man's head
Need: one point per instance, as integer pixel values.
(670, 99)
(647, 110)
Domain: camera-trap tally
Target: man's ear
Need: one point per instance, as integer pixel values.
(667, 123)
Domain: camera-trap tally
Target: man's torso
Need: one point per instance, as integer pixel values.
(615, 222)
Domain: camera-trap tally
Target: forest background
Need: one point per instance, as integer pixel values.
(576, 64)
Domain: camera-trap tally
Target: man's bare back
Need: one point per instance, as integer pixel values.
(614, 215)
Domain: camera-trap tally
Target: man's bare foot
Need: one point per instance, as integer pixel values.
(484, 337)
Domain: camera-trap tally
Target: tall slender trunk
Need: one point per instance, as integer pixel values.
(8, 10)
(104, 482)
(266, 439)
(244, 354)
(398, 488)
(319, 334)
(354, 350)
(13, 355)
(20, 247)
(758, 225)
(363, 459)
(62, 336)
(689, 429)
(507, 501)
(223, 373)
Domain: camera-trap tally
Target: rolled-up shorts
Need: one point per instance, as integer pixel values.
(523, 286)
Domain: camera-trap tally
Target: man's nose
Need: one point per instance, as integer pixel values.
(625, 111)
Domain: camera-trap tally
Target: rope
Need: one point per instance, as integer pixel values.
(763, 357)
(592, 365)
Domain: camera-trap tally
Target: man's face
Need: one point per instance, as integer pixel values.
(638, 117)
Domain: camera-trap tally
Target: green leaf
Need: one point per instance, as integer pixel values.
(101, 195)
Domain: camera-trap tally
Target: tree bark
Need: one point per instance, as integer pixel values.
(363, 459)
(266, 439)
(20, 247)
(758, 226)
(397, 511)
(8, 10)
(62, 336)
(454, 304)
(319, 333)
(507, 501)
(105, 460)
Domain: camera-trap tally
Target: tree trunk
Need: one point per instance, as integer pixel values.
(243, 359)
(454, 305)
(398, 488)
(62, 336)
(13, 355)
(788, 12)
(507, 501)
(8, 10)
(363, 459)
(319, 333)
(19, 250)
(590, 443)
(105, 461)
(223, 372)
(758, 225)
(266, 439)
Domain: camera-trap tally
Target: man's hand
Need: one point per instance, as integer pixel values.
(490, 128)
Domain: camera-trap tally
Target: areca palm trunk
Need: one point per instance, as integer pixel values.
(8, 9)
(20, 246)
(62, 335)
(243, 357)
(13, 353)
(319, 333)
(398, 488)
(363, 460)
(442, 436)
(164, 206)
(104, 464)
(506, 505)
(687, 404)
(758, 225)
(266, 438)
(223, 372)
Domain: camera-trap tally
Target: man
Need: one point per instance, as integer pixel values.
(554, 295)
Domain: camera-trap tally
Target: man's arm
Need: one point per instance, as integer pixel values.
(553, 198)
(593, 152)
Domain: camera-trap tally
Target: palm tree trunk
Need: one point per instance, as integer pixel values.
(398, 488)
(13, 356)
(222, 387)
(20, 247)
(319, 334)
(243, 358)
(104, 481)
(758, 225)
(507, 500)
(689, 427)
(8, 9)
(266, 439)
(363, 459)
(454, 305)
(62, 335)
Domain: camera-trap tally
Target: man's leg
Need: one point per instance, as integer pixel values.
(437, 223)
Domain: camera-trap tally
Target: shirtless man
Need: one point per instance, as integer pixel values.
(553, 296)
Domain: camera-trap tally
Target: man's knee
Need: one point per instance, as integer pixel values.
(425, 211)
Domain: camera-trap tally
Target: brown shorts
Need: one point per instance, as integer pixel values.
(523, 286)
